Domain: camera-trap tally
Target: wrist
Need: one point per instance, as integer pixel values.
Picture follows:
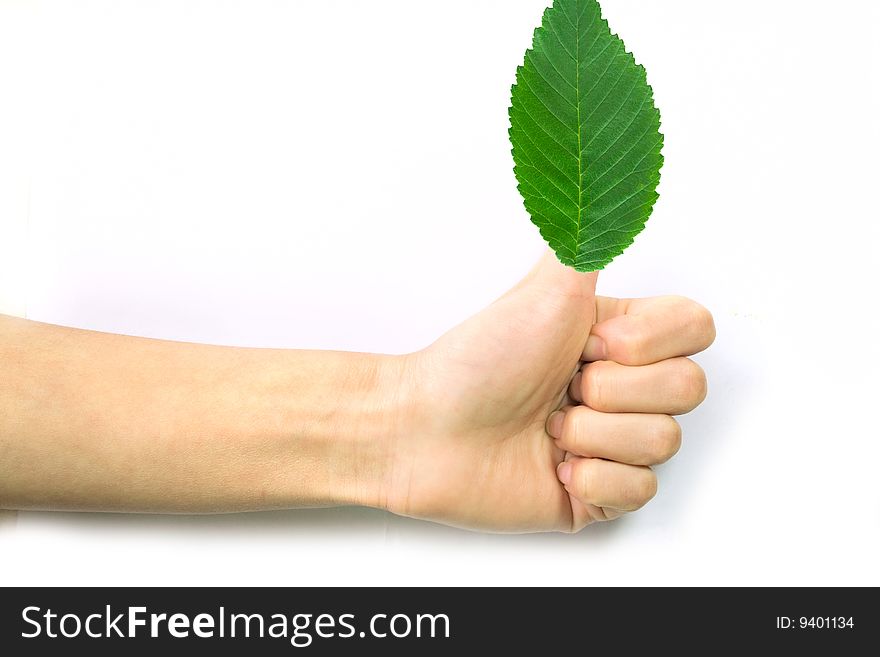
(347, 431)
(373, 423)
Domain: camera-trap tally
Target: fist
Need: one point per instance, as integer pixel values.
(618, 420)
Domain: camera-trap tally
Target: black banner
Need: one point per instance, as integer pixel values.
(431, 621)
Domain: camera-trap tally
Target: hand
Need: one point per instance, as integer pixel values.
(464, 432)
(509, 430)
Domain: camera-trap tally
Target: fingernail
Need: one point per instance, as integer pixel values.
(563, 471)
(554, 424)
(596, 349)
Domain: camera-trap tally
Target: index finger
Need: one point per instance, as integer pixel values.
(646, 331)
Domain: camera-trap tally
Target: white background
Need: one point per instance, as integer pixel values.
(337, 175)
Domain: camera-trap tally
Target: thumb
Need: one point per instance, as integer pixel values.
(554, 278)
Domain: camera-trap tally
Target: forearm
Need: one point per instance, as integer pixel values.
(93, 421)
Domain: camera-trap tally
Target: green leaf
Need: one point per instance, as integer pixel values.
(586, 137)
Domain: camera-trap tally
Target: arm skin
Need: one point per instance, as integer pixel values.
(97, 421)
(542, 413)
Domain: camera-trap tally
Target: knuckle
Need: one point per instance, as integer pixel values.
(699, 385)
(592, 482)
(573, 425)
(585, 476)
(644, 488)
(691, 384)
(703, 323)
(666, 440)
(697, 318)
(684, 306)
(595, 383)
(635, 340)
